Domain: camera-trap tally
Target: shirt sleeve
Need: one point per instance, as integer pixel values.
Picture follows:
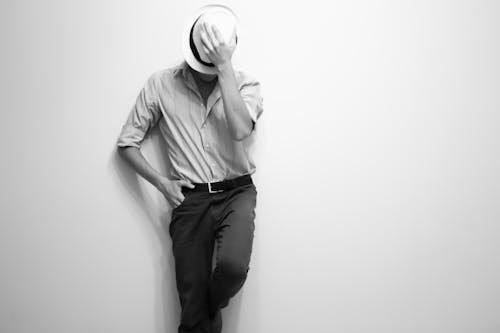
(250, 92)
(142, 117)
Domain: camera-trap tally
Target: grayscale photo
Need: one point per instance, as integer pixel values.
(250, 167)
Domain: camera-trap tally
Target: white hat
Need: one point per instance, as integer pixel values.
(219, 15)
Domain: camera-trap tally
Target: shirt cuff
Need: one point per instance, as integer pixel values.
(130, 136)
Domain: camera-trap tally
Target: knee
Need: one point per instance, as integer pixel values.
(233, 271)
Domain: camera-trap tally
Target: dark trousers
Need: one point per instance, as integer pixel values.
(202, 219)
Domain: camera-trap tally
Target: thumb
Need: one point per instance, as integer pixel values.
(186, 183)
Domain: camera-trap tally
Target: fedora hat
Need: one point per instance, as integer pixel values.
(192, 47)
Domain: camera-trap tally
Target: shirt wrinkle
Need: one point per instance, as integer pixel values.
(199, 145)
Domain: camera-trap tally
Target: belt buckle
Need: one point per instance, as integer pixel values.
(210, 189)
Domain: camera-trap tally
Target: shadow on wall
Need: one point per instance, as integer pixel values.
(149, 200)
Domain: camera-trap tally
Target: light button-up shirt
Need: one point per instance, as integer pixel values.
(199, 145)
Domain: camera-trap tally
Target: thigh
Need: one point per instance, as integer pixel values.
(191, 219)
(191, 234)
(192, 245)
(235, 227)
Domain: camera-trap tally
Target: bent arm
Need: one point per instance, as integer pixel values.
(134, 157)
(241, 108)
(239, 121)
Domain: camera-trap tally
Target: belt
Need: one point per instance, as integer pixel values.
(221, 186)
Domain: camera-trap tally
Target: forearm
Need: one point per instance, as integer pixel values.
(237, 115)
(133, 156)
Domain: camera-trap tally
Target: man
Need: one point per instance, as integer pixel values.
(207, 113)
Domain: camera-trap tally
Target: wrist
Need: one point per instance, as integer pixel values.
(158, 180)
(225, 68)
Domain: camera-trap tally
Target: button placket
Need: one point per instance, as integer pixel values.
(207, 147)
(205, 139)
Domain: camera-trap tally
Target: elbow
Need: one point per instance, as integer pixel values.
(122, 150)
(242, 134)
(240, 137)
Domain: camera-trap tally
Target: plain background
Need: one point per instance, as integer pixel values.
(377, 152)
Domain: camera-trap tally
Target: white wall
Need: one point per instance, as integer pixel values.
(378, 167)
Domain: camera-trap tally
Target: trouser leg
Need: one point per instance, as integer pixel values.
(192, 245)
(234, 232)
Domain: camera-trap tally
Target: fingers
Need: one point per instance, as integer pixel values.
(186, 183)
(206, 39)
(177, 200)
(207, 45)
(174, 194)
(217, 35)
(174, 202)
(211, 37)
(180, 199)
(211, 31)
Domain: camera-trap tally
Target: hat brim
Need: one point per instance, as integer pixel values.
(186, 47)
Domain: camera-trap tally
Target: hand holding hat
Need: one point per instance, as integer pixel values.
(215, 47)
(210, 38)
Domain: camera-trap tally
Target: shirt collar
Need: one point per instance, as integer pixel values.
(183, 71)
(182, 68)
